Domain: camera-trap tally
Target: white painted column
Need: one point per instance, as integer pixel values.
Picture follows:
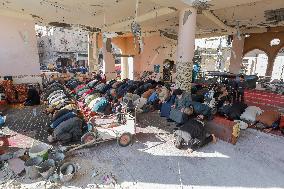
(109, 64)
(124, 68)
(185, 49)
(93, 53)
(236, 55)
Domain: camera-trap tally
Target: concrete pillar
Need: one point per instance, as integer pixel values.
(236, 55)
(124, 68)
(185, 49)
(93, 52)
(109, 64)
(270, 66)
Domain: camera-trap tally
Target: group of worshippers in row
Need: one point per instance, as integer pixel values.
(97, 97)
(67, 124)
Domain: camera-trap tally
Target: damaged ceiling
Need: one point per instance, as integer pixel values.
(152, 15)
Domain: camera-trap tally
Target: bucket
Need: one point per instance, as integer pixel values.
(47, 168)
(31, 167)
(39, 150)
(67, 171)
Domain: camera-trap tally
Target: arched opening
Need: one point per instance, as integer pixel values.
(255, 63)
(117, 56)
(117, 52)
(278, 68)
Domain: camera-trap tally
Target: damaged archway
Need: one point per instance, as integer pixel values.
(110, 61)
(278, 68)
(270, 42)
(255, 62)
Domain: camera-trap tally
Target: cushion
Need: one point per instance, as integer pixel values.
(250, 113)
(268, 117)
(281, 124)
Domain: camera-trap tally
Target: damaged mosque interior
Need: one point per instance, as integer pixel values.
(141, 94)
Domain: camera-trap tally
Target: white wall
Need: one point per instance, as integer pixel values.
(278, 68)
(18, 46)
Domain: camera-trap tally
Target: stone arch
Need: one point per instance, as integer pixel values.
(278, 65)
(255, 61)
(246, 51)
(263, 41)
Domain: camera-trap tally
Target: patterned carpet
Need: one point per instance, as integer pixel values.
(27, 125)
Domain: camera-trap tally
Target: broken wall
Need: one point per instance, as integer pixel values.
(70, 40)
(156, 50)
(262, 41)
(209, 59)
(18, 51)
(62, 43)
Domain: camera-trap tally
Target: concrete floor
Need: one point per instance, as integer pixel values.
(256, 161)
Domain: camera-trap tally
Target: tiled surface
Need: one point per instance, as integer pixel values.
(28, 123)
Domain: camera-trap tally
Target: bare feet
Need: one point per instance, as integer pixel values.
(214, 139)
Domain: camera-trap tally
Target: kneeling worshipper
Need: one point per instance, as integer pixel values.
(100, 106)
(193, 135)
(167, 104)
(67, 131)
(201, 110)
(221, 96)
(129, 99)
(177, 111)
(33, 97)
(62, 118)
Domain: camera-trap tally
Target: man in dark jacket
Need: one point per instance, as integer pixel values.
(33, 97)
(201, 110)
(241, 86)
(193, 135)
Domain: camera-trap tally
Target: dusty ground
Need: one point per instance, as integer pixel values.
(256, 161)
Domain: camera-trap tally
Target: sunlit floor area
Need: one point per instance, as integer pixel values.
(153, 161)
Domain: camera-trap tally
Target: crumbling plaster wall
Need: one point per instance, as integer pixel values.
(18, 51)
(156, 49)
